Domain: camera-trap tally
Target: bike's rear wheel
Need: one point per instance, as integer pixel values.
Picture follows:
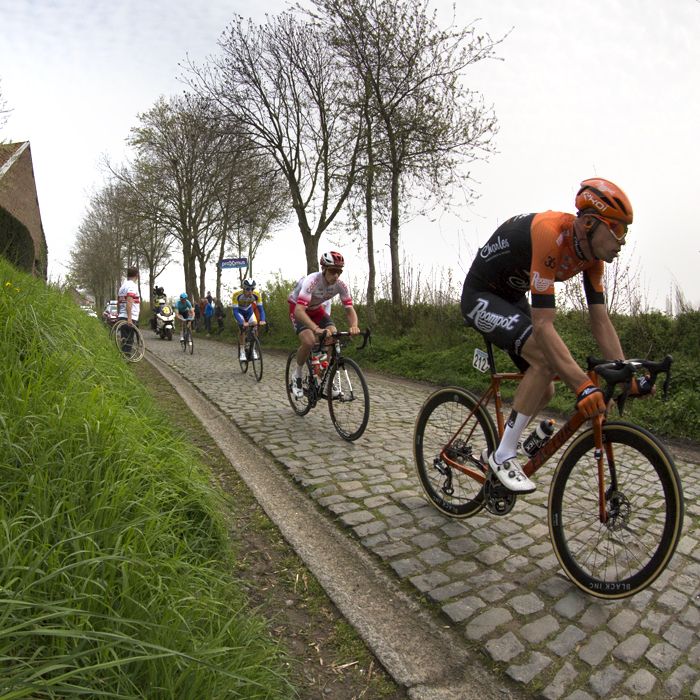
(242, 359)
(644, 504)
(256, 358)
(304, 404)
(348, 399)
(451, 424)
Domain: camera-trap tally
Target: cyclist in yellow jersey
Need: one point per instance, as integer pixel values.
(245, 303)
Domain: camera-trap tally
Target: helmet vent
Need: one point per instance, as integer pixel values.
(621, 205)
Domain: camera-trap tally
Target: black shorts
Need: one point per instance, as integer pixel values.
(505, 324)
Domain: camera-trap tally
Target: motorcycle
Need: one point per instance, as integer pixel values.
(164, 316)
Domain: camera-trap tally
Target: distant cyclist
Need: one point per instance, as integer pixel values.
(529, 253)
(246, 302)
(183, 312)
(308, 314)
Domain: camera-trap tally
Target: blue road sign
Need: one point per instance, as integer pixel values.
(226, 263)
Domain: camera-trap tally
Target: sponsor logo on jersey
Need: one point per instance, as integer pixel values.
(492, 248)
(485, 320)
(519, 283)
(541, 284)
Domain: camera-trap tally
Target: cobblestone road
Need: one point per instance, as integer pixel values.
(497, 579)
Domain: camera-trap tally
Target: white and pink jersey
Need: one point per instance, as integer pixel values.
(312, 292)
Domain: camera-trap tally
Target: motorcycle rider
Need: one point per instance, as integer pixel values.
(159, 300)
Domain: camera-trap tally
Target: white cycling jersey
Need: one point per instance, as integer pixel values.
(312, 292)
(129, 289)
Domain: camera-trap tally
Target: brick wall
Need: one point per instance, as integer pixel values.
(19, 197)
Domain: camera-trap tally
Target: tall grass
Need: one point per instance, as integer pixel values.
(113, 575)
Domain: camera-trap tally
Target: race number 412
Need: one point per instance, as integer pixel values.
(481, 360)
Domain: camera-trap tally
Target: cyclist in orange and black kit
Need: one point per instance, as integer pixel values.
(531, 252)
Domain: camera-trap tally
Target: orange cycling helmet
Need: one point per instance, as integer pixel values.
(332, 259)
(606, 199)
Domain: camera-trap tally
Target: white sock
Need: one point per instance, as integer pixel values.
(297, 372)
(517, 422)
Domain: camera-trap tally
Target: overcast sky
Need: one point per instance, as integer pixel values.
(608, 89)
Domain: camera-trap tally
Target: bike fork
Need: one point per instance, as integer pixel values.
(600, 455)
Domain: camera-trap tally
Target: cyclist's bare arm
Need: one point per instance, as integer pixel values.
(352, 320)
(554, 349)
(604, 332)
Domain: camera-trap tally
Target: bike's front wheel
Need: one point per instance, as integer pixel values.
(242, 356)
(190, 342)
(643, 511)
(452, 431)
(256, 358)
(348, 399)
(303, 404)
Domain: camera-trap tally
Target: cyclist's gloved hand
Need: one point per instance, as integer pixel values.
(589, 399)
(641, 386)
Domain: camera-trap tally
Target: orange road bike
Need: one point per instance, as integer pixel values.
(615, 505)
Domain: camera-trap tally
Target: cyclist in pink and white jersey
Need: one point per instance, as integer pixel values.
(307, 310)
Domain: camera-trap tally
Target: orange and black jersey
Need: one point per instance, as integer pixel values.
(532, 252)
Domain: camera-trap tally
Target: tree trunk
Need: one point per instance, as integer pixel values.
(218, 267)
(189, 269)
(394, 241)
(371, 280)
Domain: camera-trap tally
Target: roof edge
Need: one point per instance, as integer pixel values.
(13, 158)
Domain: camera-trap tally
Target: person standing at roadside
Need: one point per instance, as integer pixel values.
(208, 313)
(129, 299)
(219, 315)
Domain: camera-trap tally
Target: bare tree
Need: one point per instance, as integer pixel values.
(622, 283)
(4, 111)
(253, 203)
(102, 248)
(280, 85)
(152, 240)
(414, 72)
(177, 146)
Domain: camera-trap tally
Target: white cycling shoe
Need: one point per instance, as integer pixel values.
(511, 475)
(297, 389)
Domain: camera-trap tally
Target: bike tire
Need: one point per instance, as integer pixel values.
(645, 512)
(255, 349)
(130, 345)
(349, 407)
(303, 405)
(243, 362)
(190, 342)
(113, 329)
(445, 414)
